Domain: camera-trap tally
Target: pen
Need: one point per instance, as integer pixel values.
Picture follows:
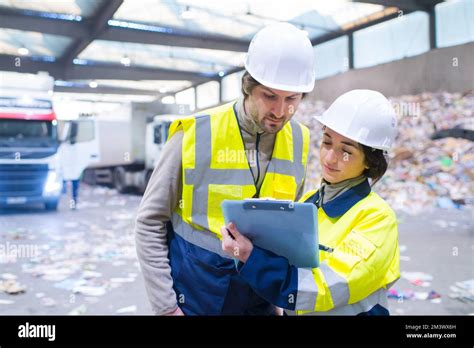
(325, 248)
(230, 234)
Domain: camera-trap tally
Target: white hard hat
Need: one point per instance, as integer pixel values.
(364, 116)
(281, 56)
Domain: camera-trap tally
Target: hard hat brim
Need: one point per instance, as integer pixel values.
(287, 88)
(321, 120)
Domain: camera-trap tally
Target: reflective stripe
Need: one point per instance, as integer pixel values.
(203, 175)
(292, 168)
(297, 133)
(202, 162)
(203, 239)
(218, 177)
(365, 305)
(337, 285)
(339, 290)
(307, 290)
(201, 184)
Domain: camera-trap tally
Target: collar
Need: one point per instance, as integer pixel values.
(342, 203)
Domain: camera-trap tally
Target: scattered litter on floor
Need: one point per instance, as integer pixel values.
(78, 310)
(48, 302)
(463, 291)
(9, 276)
(12, 287)
(91, 274)
(129, 309)
(416, 276)
(419, 282)
(89, 290)
(411, 295)
(433, 294)
(400, 295)
(421, 295)
(70, 284)
(122, 280)
(116, 202)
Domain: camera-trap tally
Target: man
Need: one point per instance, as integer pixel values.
(248, 148)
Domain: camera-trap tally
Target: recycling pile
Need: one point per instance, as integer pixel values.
(422, 172)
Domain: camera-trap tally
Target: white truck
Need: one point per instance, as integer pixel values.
(30, 171)
(130, 139)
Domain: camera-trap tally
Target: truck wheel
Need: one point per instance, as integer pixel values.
(145, 183)
(51, 206)
(89, 177)
(119, 180)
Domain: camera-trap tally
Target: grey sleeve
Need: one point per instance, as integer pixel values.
(160, 199)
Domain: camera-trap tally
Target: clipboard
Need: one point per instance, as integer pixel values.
(285, 228)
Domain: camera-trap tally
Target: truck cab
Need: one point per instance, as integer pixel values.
(30, 171)
(156, 137)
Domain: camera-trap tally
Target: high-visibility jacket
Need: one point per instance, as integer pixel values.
(353, 279)
(215, 167)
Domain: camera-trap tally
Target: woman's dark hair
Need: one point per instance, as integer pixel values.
(377, 162)
(249, 83)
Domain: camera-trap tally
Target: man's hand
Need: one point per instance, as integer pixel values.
(177, 311)
(235, 244)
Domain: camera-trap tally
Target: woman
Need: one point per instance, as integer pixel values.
(360, 227)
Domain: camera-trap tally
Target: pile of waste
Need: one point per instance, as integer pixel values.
(423, 172)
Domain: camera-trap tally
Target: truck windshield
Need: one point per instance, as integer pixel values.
(27, 133)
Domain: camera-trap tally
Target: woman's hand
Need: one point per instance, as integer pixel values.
(236, 244)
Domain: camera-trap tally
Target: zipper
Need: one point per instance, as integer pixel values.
(257, 194)
(257, 190)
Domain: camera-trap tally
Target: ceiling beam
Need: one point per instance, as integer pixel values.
(175, 37)
(105, 90)
(120, 72)
(96, 71)
(405, 5)
(15, 20)
(30, 65)
(155, 35)
(97, 24)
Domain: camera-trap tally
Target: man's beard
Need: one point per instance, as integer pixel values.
(263, 126)
(269, 127)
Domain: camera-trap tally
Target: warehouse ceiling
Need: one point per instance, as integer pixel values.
(158, 47)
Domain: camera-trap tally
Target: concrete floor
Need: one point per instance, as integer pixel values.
(93, 248)
(95, 242)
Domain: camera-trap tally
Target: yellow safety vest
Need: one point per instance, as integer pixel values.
(216, 167)
(365, 261)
